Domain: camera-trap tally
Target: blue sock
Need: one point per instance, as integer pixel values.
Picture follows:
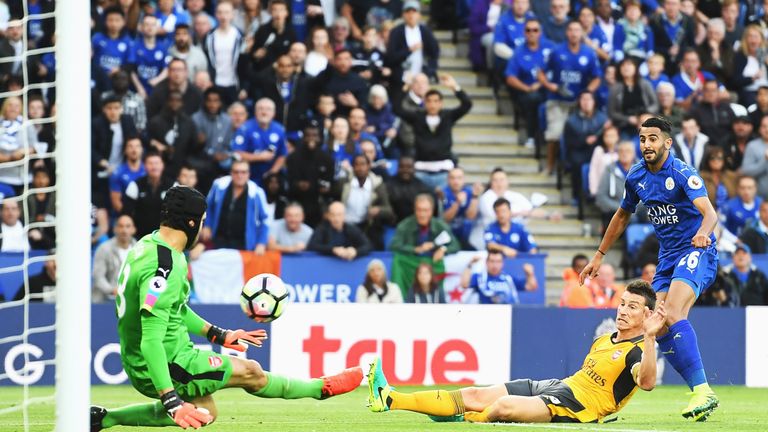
(681, 349)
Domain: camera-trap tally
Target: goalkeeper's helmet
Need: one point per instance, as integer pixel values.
(183, 209)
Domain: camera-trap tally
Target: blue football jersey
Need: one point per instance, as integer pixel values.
(668, 195)
(123, 176)
(736, 215)
(526, 63)
(499, 289)
(110, 53)
(251, 138)
(510, 31)
(572, 70)
(149, 62)
(518, 238)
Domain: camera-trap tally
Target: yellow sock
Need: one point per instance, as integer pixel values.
(702, 388)
(433, 402)
(477, 417)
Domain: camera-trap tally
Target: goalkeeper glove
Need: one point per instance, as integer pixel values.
(234, 339)
(183, 413)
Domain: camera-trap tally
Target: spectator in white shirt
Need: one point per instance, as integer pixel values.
(182, 48)
(12, 238)
(377, 288)
(222, 46)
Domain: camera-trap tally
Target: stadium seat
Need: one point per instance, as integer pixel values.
(636, 233)
(389, 232)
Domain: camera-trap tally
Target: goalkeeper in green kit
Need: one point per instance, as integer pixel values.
(154, 323)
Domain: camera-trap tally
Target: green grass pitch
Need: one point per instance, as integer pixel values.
(742, 409)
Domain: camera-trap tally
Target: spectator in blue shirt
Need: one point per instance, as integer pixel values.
(505, 236)
(571, 69)
(459, 202)
(522, 75)
(111, 50)
(689, 83)
(632, 37)
(595, 37)
(494, 285)
(149, 58)
(743, 209)
(509, 32)
(131, 169)
(261, 142)
(555, 25)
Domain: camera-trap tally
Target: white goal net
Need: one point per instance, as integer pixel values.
(45, 217)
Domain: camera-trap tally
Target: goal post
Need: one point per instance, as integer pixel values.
(73, 215)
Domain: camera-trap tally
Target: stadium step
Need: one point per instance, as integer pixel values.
(484, 140)
(474, 119)
(452, 64)
(490, 150)
(483, 166)
(568, 227)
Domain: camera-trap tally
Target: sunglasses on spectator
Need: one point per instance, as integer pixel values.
(532, 30)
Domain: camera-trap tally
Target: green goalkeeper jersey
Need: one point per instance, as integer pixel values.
(151, 308)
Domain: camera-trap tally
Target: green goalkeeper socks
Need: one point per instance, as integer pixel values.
(148, 414)
(279, 386)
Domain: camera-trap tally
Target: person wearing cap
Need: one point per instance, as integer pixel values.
(745, 284)
(154, 324)
(736, 144)
(377, 288)
(412, 46)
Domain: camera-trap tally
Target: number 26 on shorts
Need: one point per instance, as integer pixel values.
(690, 260)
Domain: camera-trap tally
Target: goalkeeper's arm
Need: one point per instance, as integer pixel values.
(153, 330)
(233, 339)
(184, 414)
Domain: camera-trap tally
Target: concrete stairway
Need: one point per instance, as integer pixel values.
(484, 140)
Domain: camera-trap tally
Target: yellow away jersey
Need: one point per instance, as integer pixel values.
(606, 380)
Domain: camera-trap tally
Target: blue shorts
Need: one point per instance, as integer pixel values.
(695, 266)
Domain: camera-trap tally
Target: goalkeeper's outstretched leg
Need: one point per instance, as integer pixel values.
(202, 377)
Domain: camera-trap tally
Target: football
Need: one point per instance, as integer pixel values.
(263, 298)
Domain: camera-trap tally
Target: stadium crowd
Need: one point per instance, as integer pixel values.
(317, 125)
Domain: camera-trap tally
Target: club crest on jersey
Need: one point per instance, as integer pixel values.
(694, 182)
(215, 361)
(669, 183)
(617, 354)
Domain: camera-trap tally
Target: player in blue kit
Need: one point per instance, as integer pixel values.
(111, 50)
(683, 219)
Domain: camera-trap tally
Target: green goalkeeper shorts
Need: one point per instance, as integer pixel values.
(194, 373)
